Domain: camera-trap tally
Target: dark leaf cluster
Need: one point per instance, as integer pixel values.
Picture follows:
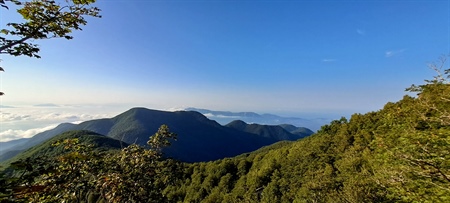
(44, 19)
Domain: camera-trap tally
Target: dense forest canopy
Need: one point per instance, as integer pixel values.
(400, 153)
(397, 154)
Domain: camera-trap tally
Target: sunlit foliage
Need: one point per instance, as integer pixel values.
(400, 153)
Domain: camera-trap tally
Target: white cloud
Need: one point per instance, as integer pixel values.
(361, 32)
(25, 122)
(329, 60)
(5, 117)
(391, 53)
(172, 109)
(17, 134)
(210, 115)
(47, 116)
(56, 116)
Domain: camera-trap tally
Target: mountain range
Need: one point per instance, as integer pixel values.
(14, 147)
(399, 153)
(199, 138)
(88, 138)
(225, 117)
(279, 132)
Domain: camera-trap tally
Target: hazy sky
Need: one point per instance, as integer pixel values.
(263, 56)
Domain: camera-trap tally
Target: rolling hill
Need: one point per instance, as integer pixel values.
(199, 138)
(270, 131)
(225, 117)
(98, 141)
(12, 150)
(396, 154)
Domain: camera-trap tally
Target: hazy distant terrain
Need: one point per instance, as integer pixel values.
(225, 117)
(199, 138)
(396, 154)
(302, 101)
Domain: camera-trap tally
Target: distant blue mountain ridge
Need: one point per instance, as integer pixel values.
(225, 117)
(199, 138)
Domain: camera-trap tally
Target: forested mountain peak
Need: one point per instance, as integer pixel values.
(271, 131)
(199, 138)
(396, 154)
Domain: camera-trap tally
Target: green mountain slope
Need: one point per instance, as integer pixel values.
(4, 146)
(225, 117)
(99, 142)
(12, 150)
(199, 138)
(269, 131)
(400, 153)
(301, 131)
(397, 154)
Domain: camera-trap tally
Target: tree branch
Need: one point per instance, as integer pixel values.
(10, 45)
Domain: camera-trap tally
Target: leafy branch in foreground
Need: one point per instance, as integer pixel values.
(3, 3)
(132, 174)
(137, 174)
(44, 19)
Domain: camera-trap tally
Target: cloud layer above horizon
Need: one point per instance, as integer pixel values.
(246, 55)
(25, 122)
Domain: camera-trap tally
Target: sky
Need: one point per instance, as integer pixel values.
(290, 58)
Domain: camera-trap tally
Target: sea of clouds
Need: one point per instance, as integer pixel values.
(27, 121)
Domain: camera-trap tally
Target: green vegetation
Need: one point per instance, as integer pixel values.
(43, 19)
(77, 171)
(46, 149)
(199, 139)
(400, 153)
(277, 132)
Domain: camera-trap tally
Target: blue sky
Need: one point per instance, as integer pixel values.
(284, 57)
